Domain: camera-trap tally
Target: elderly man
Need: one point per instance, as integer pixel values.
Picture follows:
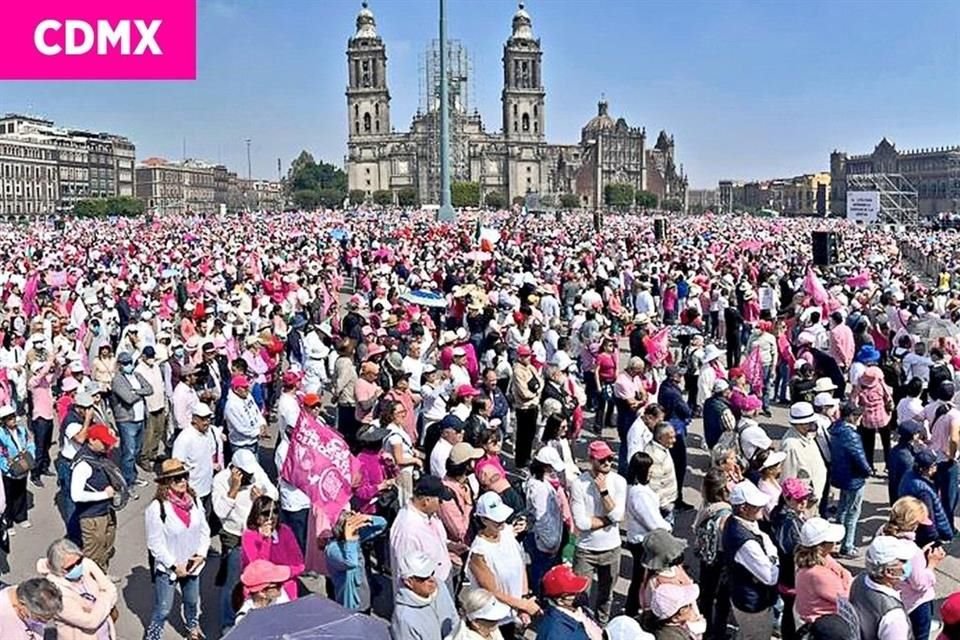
(679, 414)
(526, 387)
(418, 528)
(598, 501)
(718, 415)
(129, 391)
(184, 399)
(423, 607)
(451, 434)
(752, 563)
(92, 493)
(875, 593)
(663, 477)
(799, 443)
(200, 448)
(37, 600)
(641, 433)
(245, 424)
(629, 397)
(155, 428)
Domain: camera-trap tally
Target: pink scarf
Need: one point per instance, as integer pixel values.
(182, 506)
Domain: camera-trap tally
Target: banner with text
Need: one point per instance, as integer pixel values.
(863, 206)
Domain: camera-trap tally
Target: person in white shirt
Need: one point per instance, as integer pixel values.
(916, 364)
(643, 504)
(316, 353)
(184, 398)
(294, 503)
(458, 369)
(200, 448)
(288, 405)
(234, 490)
(450, 435)
(245, 423)
(414, 365)
(155, 428)
(640, 434)
(544, 517)
(753, 565)
(178, 538)
(598, 502)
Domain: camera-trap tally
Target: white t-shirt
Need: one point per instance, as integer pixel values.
(505, 560)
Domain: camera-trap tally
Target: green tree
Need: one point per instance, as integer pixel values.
(672, 204)
(307, 174)
(618, 194)
(465, 194)
(306, 198)
(407, 197)
(569, 200)
(124, 206)
(494, 200)
(383, 197)
(357, 196)
(518, 201)
(550, 202)
(90, 208)
(330, 198)
(646, 200)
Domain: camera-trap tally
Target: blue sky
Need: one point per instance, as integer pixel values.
(750, 89)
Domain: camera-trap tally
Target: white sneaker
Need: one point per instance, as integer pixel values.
(26, 524)
(11, 531)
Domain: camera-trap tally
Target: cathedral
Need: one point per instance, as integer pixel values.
(515, 161)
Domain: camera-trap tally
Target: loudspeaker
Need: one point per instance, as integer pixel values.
(826, 248)
(659, 229)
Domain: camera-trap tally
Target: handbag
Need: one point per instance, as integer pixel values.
(4, 535)
(21, 464)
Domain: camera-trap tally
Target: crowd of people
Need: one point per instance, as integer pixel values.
(514, 401)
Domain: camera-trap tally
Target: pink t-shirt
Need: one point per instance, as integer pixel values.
(606, 367)
(818, 589)
(365, 391)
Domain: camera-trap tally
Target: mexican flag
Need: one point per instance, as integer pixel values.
(485, 237)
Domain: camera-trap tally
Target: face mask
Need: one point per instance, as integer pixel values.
(128, 368)
(907, 569)
(36, 627)
(179, 352)
(74, 574)
(95, 330)
(697, 627)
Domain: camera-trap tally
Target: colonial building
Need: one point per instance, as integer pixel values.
(803, 195)
(29, 181)
(174, 188)
(512, 162)
(934, 173)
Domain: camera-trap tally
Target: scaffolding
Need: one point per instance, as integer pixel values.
(898, 198)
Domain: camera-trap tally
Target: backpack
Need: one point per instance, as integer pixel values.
(708, 534)
(151, 561)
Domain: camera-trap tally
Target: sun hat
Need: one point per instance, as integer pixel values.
(711, 353)
(660, 549)
(599, 450)
(669, 598)
(802, 413)
(6, 411)
(773, 459)
(753, 438)
(825, 399)
(171, 468)
(887, 549)
(491, 506)
(562, 581)
(551, 457)
(818, 530)
(261, 573)
(463, 451)
(745, 492)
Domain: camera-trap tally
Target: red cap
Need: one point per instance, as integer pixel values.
(950, 609)
(562, 581)
(239, 382)
(524, 351)
(311, 400)
(466, 391)
(736, 372)
(291, 379)
(101, 433)
(599, 450)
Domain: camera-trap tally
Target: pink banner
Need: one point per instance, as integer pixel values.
(99, 40)
(753, 369)
(658, 347)
(319, 464)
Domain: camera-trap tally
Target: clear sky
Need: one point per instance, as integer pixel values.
(750, 89)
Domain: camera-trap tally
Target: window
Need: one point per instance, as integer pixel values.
(515, 125)
(377, 125)
(356, 126)
(536, 127)
(376, 109)
(526, 122)
(366, 123)
(367, 170)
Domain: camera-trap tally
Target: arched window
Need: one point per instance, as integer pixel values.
(526, 122)
(515, 125)
(536, 127)
(366, 122)
(376, 109)
(377, 125)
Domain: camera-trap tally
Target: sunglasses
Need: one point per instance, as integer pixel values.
(73, 565)
(182, 478)
(606, 461)
(268, 513)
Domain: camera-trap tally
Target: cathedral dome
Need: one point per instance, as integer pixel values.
(602, 120)
(366, 25)
(522, 24)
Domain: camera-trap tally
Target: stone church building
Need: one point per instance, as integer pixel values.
(514, 161)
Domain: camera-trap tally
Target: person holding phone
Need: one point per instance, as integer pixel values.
(178, 538)
(265, 538)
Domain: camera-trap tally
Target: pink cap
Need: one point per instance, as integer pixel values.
(291, 378)
(466, 391)
(523, 351)
(796, 489)
(239, 382)
(599, 450)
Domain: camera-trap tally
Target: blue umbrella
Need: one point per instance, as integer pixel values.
(170, 273)
(309, 618)
(425, 298)
(339, 234)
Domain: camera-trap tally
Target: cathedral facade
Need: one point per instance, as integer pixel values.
(514, 161)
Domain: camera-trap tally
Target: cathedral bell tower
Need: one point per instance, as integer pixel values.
(368, 100)
(522, 83)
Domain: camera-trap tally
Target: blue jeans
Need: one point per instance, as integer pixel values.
(848, 513)
(540, 563)
(767, 380)
(947, 479)
(782, 383)
(297, 521)
(920, 619)
(43, 439)
(67, 506)
(163, 591)
(131, 442)
(227, 615)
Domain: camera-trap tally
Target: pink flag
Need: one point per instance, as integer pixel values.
(658, 347)
(753, 370)
(859, 281)
(814, 288)
(319, 464)
(30, 295)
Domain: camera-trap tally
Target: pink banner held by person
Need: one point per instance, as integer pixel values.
(99, 40)
(319, 463)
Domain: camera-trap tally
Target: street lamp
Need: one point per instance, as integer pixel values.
(597, 144)
(446, 212)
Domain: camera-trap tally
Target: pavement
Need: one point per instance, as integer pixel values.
(136, 591)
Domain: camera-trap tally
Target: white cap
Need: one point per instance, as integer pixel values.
(416, 564)
(6, 411)
(775, 458)
(69, 384)
(493, 611)
(745, 492)
(753, 438)
(825, 399)
(550, 457)
(886, 549)
(720, 386)
(244, 460)
(490, 506)
(817, 531)
(459, 351)
(561, 360)
(802, 413)
(76, 366)
(626, 628)
(37, 365)
(202, 410)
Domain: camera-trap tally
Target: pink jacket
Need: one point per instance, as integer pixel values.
(818, 589)
(280, 549)
(80, 619)
(841, 345)
(372, 470)
(874, 397)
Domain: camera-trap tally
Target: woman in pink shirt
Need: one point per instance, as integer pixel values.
(820, 580)
(266, 539)
(605, 375)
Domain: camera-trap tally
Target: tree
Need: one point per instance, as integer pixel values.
(306, 198)
(618, 194)
(330, 198)
(494, 200)
(357, 196)
(549, 201)
(672, 204)
(569, 200)
(646, 200)
(518, 201)
(407, 197)
(465, 194)
(307, 174)
(124, 206)
(383, 197)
